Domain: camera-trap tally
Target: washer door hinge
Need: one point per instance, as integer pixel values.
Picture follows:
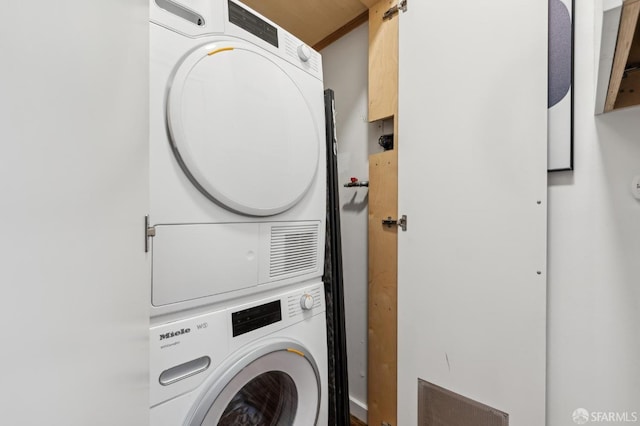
(149, 232)
(401, 6)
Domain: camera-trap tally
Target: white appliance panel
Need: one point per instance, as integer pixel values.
(193, 261)
(197, 261)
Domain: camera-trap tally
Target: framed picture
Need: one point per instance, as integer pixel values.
(560, 100)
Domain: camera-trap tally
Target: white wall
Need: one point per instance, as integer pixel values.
(345, 71)
(594, 254)
(74, 192)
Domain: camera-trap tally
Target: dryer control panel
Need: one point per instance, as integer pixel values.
(253, 24)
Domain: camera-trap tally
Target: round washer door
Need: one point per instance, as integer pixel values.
(241, 128)
(275, 386)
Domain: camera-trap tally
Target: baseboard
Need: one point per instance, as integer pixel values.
(358, 409)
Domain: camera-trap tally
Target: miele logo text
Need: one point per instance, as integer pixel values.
(175, 333)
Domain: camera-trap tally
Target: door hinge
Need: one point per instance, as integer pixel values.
(401, 6)
(149, 232)
(402, 223)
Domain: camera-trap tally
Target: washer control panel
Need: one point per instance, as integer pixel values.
(305, 301)
(185, 351)
(256, 317)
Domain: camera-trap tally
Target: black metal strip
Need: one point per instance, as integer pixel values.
(334, 288)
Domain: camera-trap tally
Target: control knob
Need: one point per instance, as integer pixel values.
(306, 302)
(304, 53)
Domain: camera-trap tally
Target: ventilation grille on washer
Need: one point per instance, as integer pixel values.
(441, 407)
(294, 249)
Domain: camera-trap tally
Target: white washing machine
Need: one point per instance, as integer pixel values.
(237, 157)
(259, 362)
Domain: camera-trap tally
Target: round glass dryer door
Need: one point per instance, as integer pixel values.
(278, 388)
(241, 128)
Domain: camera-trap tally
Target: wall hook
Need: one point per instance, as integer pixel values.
(355, 183)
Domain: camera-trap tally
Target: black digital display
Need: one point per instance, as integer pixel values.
(254, 318)
(251, 23)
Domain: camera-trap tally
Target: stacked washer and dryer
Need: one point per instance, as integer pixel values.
(238, 187)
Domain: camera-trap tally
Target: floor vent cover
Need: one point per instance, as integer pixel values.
(441, 407)
(294, 249)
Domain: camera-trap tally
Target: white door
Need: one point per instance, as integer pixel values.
(472, 181)
(74, 184)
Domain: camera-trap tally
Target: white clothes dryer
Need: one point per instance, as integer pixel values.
(237, 157)
(258, 362)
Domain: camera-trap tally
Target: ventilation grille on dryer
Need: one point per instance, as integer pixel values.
(294, 249)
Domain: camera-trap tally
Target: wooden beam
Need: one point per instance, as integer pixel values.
(629, 93)
(628, 24)
(342, 31)
(383, 290)
(383, 62)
